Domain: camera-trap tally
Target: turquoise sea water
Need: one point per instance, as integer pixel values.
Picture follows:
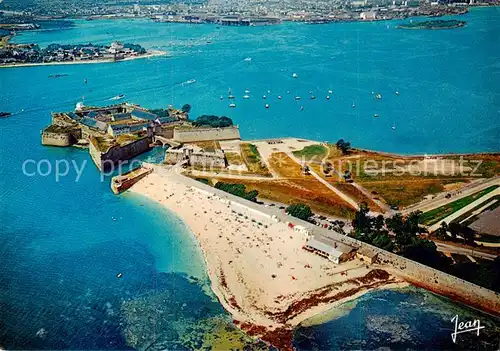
(62, 243)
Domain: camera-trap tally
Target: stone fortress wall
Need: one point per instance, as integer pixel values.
(415, 273)
(105, 160)
(57, 139)
(206, 134)
(196, 158)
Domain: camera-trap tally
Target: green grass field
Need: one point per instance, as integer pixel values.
(318, 152)
(437, 214)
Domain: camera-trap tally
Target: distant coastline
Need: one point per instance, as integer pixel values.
(151, 53)
(438, 24)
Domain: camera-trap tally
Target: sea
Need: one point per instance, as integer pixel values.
(81, 268)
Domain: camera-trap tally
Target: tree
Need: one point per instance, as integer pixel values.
(300, 211)
(442, 232)
(343, 146)
(361, 221)
(186, 108)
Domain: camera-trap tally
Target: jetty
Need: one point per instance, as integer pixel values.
(124, 181)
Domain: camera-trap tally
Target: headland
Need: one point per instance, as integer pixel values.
(437, 24)
(272, 261)
(28, 55)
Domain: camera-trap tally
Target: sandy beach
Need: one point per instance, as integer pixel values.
(150, 53)
(257, 267)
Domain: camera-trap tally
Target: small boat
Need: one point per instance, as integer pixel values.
(232, 105)
(294, 75)
(117, 97)
(222, 97)
(264, 97)
(297, 98)
(279, 97)
(248, 59)
(230, 96)
(397, 92)
(313, 97)
(328, 97)
(310, 92)
(378, 96)
(5, 114)
(85, 81)
(119, 275)
(375, 115)
(191, 81)
(393, 127)
(301, 108)
(247, 91)
(288, 91)
(267, 105)
(246, 97)
(57, 75)
(269, 91)
(353, 106)
(330, 92)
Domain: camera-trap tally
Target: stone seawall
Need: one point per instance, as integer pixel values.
(57, 139)
(105, 160)
(415, 273)
(206, 134)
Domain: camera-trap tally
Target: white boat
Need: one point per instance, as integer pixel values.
(279, 97)
(191, 81)
(246, 97)
(313, 97)
(294, 75)
(267, 105)
(378, 96)
(222, 97)
(310, 92)
(301, 108)
(264, 97)
(393, 127)
(375, 115)
(232, 105)
(397, 92)
(297, 98)
(328, 97)
(269, 91)
(117, 97)
(230, 97)
(330, 91)
(353, 106)
(247, 91)
(248, 59)
(288, 91)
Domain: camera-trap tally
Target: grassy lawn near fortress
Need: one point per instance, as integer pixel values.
(253, 160)
(308, 191)
(317, 152)
(405, 192)
(437, 214)
(282, 164)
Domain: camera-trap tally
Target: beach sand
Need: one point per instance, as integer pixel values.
(259, 271)
(150, 53)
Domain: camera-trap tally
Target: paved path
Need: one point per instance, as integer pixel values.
(463, 251)
(465, 209)
(441, 200)
(343, 196)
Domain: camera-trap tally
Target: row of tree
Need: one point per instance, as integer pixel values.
(213, 121)
(402, 235)
(238, 190)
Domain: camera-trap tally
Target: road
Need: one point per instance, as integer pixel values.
(441, 200)
(462, 251)
(465, 209)
(352, 202)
